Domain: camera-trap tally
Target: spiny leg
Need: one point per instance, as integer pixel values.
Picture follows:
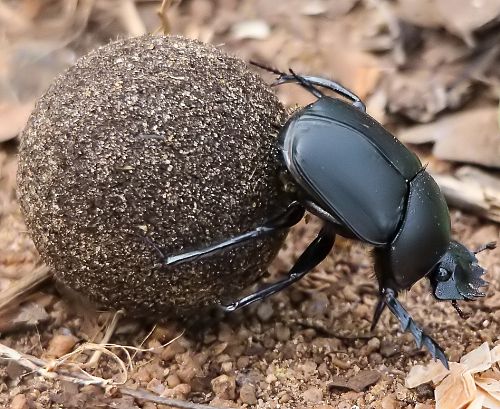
(388, 297)
(325, 83)
(291, 216)
(311, 80)
(314, 254)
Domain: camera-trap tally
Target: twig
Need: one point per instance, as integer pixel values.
(142, 394)
(52, 370)
(105, 339)
(21, 288)
(162, 14)
(130, 18)
(471, 194)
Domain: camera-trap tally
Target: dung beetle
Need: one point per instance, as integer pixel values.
(365, 185)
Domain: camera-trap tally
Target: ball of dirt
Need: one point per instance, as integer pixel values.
(152, 138)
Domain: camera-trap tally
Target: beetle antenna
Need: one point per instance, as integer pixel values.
(307, 85)
(268, 68)
(488, 246)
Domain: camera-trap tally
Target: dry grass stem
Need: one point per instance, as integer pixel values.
(73, 373)
(93, 361)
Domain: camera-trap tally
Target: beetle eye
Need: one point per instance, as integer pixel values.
(443, 275)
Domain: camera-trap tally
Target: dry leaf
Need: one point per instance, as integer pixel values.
(463, 386)
(358, 382)
(420, 374)
(489, 402)
(495, 354)
(456, 390)
(477, 360)
(492, 386)
(470, 136)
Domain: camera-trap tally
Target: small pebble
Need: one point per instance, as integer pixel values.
(155, 386)
(247, 394)
(222, 403)
(19, 402)
(265, 311)
(282, 332)
(242, 362)
(313, 395)
(373, 345)
(224, 387)
(389, 403)
(349, 294)
(388, 349)
(60, 345)
(227, 367)
(173, 380)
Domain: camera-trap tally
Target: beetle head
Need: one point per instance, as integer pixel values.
(458, 275)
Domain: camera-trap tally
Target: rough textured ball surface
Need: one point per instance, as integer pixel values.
(158, 138)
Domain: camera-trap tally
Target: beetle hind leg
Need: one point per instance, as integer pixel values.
(314, 254)
(408, 324)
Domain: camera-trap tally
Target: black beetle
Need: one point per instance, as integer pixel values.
(366, 185)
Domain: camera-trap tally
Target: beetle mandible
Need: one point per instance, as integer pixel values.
(365, 185)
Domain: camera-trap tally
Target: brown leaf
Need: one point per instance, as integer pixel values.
(420, 374)
(477, 360)
(358, 382)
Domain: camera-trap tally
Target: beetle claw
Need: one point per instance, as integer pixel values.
(408, 324)
(379, 309)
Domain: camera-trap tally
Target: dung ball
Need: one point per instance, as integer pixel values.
(152, 147)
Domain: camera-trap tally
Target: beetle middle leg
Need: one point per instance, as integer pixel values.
(291, 216)
(388, 298)
(314, 254)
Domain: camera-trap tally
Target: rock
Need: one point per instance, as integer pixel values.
(224, 387)
(265, 311)
(173, 380)
(388, 349)
(19, 402)
(60, 345)
(313, 395)
(152, 139)
(247, 394)
(358, 382)
(389, 403)
(282, 332)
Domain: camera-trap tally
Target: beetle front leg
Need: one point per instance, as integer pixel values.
(388, 297)
(325, 83)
